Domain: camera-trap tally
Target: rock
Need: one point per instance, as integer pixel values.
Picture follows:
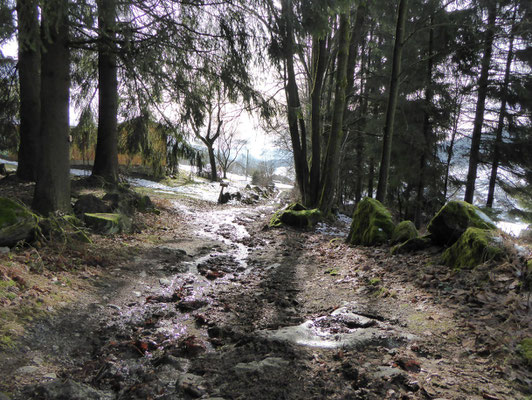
(3, 169)
(28, 369)
(453, 219)
(295, 215)
(415, 244)
(474, 247)
(526, 234)
(404, 231)
(108, 223)
(67, 226)
(16, 223)
(89, 203)
(191, 384)
(59, 390)
(269, 364)
(4, 250)
(388, 373)
(372, 224)
(127, 201)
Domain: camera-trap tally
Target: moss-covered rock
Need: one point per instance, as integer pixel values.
(108, 223)
(411, 245)
(61, 228)
(474, 247)
(16, 222)
(453, 219)
(404, 231)
(127, 201)
(295, 215)
(89, 203)
(372, 223)
(525, 347)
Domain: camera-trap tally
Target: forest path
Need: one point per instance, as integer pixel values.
(213, 306)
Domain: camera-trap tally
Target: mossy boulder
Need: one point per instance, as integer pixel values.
(453, 219)
(525, 347)
(372, 223)
(66, 227)
(16, 222)
(295, 215)
(474, 247)
(127, 201)
(89, 203)
(108, 223)
(411, 245)
(404, 231)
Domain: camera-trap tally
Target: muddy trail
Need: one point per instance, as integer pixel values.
(218, 307)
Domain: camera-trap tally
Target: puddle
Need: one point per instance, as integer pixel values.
(341, 329)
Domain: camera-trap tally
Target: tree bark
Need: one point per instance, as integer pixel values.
(296, 123)
(29, 60)
(106, 158)
(502, 115)
(319, 65)
(481, 104)
(332, 158)
(52, 191)
(427, 130)
(384, 170)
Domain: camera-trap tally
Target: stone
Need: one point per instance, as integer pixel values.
(127, 201)
(295, 215)
(404, 231)
(3, 169)
(414, 244)
(474, 247)
(453, 219)
(4, 250)
(89, 203)
(260, 367)
(28, 369)
(108, 223)
(192, 385)
(69, 389)
(16, 223)
(372, 224)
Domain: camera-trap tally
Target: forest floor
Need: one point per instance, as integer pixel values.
(205, 302)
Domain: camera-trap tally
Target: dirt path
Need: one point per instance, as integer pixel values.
(216, 307)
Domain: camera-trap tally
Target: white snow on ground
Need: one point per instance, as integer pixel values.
(207, 191)
(512, 228)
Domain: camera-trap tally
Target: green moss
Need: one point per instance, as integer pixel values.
(474, 247)
(332, 271)
(404, 231)
(374, 281)
(372, 223)
(414, 244)
(295, 215)
(453, 219)
(525, 347)
(6, 342)
(108, 223)
(16, 222)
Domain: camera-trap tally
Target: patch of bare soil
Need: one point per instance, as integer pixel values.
(206, 303)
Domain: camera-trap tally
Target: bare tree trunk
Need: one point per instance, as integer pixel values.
(212, 160)
(427, 130)
(29, 60)
(106, 158)
(319, 64)
(481, 104)
(330, 170)
(371, 176)
(392, 101)
(502, 114)
(52, 191)
(450, 151)
(296, 123)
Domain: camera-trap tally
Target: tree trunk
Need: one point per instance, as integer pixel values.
(481, 104)
(212, 160)
(29, 60)
(451, 147)
(384, 170)
(106, 158)
(427, 131)
(295, 119)
(371, 176)
(319, 65)
(52, 191)
(330, 170)
(502, 114)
